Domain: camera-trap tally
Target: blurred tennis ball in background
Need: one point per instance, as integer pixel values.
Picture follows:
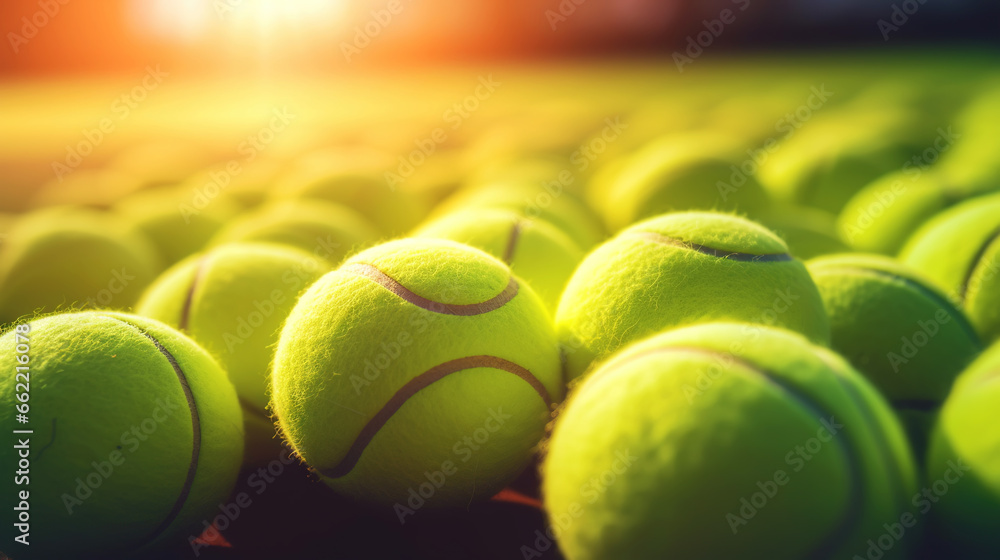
(535, 132)
(94, 188)
(172, 222)
(548, 201)
(972, 159)
(602, 180)
(6, 223)
(137, 434)
(809, 232)
(439, 177)
(356, 179)
(421, 372)
(243, 184)
(233, 300)
(960, 250)
(159, 161)
(684, 172)
(718, 439)
(883, 215)
(899, 330)
(64, 257)
(532, 170)
(329, 231)
(679, 269)
(827, 162)
(963, 458)
(536, 251)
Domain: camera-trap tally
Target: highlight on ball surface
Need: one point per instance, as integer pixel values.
(500, 279)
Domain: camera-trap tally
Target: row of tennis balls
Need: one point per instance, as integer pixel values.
(894, 287)
(688, 224)
(79, 359)
(866, 177)
(68, 256)
(540, 262)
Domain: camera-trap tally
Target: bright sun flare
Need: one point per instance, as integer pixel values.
(192, 20)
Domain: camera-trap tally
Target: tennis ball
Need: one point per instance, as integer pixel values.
(550, 201)
(899, 330)
(520, 169)
(233, 300)
(536, 251)
(136, 436)
(163, 161)
(826, 164)
(960, 250)
(173, 223)
(684, 172)
(419, 373)
(725, 441)
(246, 185)
(600, 185)
(972, 158)
(94, 188)
(881, 217)
(809, 232)
(68, 257)
(679, 269)
(439, 177)
(522, 136)
(6, 224)
(963, 468)
(356, 180)
(329, 231)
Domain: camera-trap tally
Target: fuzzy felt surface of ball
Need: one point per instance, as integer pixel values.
(680, 269)
(136, 433)
(709, 441)
(418, 374)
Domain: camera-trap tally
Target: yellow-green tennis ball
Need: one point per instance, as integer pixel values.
(233, 300)
(960, 250)
(247, 186)
(726, 441)
(536, 251)
(809, 232)
(899, 330)
(176, 227)
(680, 269)
(524, 136)
(360, 183)
(963, 466)
(973, 157)
(535, 170)
(92, 188)
(329, 231)
(550, 201)
(440, 177)
(881, 217)
(531, 170)
(163, 162)
(66, 257)
(827, 163)
(6, 223)
(418, 374)
(136, 435)
(677, 173)
(600, 185)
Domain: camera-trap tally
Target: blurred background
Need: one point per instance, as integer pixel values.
(190, 80)
(238, 35)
